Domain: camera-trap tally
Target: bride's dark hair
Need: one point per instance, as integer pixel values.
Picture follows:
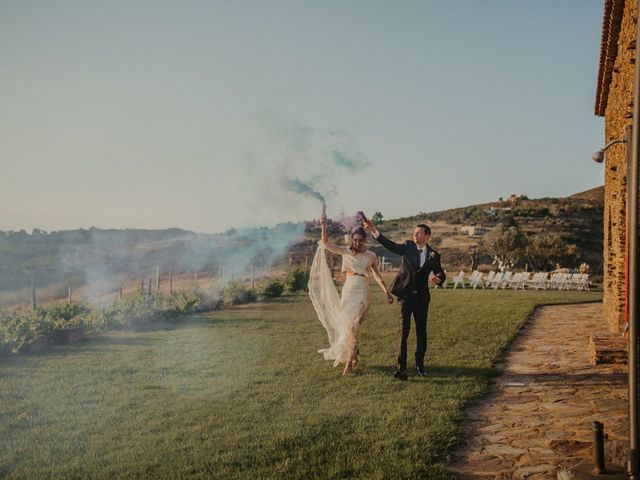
(359, 231)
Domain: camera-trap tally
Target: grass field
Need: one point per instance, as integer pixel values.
(242, 393)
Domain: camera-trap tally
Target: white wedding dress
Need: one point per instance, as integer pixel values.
(341, 316)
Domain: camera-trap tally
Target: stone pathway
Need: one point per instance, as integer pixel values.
(537, 419)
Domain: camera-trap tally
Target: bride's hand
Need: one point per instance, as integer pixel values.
(389, 298)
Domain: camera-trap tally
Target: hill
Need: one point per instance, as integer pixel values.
(576, 219)
(596, 194)
(95, 256)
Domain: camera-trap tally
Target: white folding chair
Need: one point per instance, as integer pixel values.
(487, 281)
(459, 280)
(476, 279)
(505, 280)
(497, 280)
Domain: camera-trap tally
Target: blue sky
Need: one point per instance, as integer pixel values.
(190, 114)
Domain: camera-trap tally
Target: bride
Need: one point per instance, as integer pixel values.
(342, 316)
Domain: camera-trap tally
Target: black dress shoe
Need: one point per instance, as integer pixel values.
(422, 372)
(400, 375)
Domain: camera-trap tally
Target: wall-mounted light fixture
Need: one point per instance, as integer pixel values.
(598, 157)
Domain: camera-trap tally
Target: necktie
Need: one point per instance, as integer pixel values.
(420, 257)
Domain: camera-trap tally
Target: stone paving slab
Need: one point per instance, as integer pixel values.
(537, 418)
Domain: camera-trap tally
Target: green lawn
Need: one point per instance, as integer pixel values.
(242, 393)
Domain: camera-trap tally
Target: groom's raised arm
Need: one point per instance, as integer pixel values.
(390, 245)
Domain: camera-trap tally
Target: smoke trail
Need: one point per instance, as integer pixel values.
(313, 159)
(291, 165)
(297, 186)
(352, 163)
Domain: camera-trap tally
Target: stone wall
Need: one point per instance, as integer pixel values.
(619, 113)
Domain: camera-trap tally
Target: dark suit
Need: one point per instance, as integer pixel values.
(412, 289)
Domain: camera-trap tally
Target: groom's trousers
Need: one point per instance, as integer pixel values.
(417, 306)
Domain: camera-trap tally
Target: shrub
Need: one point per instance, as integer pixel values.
(18, 328)
(96, 321)
(236, 293)
(144, 309)
(210, 299)
(270, 288)
(298, 280)
(63, 312)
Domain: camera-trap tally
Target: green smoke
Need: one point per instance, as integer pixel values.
(297, 186)
(349, 162)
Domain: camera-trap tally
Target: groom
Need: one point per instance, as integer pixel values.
(410, 286)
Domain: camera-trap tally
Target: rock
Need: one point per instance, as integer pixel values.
(38, 344)
(608, 348)
(65, 335)
(503, 450)
(569, 447)
(527, 472)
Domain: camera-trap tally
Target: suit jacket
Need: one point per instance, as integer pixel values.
(411, 277)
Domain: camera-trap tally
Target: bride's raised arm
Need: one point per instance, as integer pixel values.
(324, 239)
(380, 281)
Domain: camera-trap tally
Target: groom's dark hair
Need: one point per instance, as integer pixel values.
(425, 228)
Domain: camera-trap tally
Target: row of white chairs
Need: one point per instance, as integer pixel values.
(522, 280)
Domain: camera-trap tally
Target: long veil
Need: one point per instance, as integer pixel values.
(326, 302)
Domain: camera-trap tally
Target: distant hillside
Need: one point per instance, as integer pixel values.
(81, 257)
(577, 219)
(596, 194)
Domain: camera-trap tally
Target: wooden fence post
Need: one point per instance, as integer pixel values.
(33, 294)
(157, 278)
(171, 281)
(253, 280)
(149, 287)
(69, 296)
(120, 292)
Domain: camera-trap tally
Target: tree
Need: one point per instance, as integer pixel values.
(506, 244)
(545, 251)
(377, 217)
(506, 219)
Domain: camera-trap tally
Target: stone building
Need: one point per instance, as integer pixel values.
(614, 102)
(474, 230)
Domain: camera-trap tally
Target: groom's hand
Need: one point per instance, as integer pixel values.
(368, 225)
